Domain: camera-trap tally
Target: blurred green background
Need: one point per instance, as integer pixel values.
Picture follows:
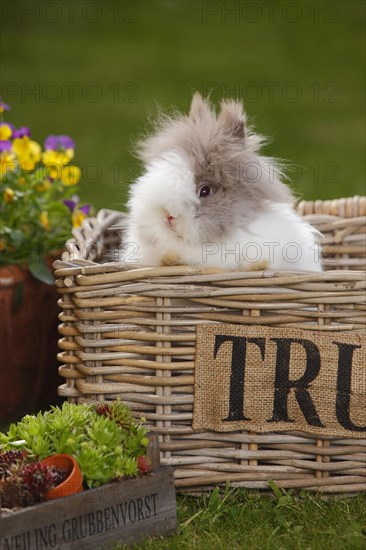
(96, 70)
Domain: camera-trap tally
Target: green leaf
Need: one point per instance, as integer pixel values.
(40, 174)
(277, 491)
(41, 272)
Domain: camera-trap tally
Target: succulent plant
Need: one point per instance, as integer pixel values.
(105, 439)
(23, 483)
(38, 478)
(7, 459)
(143, 464)
(11, 494)
(117, 411)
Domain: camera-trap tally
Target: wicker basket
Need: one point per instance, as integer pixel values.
(130, 333)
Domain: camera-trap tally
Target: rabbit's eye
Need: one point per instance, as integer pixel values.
(204, 191)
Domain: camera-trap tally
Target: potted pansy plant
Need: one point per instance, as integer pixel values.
(39, 207)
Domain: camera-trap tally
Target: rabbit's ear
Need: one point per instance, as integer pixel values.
(200, 108)
(232, 118)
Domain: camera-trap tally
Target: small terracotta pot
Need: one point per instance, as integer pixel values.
(74, 481)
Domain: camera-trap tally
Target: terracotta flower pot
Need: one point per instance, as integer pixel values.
(74, 481)
(28, 342)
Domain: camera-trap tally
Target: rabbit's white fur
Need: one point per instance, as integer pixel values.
(246, 223)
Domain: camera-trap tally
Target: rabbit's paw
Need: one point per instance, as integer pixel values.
(171, 258)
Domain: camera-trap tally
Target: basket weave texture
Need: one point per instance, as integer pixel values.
(130, 333)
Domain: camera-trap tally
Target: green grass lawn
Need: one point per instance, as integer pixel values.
(96, 74)
(239, 519)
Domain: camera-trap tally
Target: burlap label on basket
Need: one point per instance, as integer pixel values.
(268, 379)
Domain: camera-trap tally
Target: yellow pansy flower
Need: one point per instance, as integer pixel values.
(56, 160)
(57, 157)
(54, 171)
(70, 153)
(7, 163)
(77, 218)
(70, 175)
(27, 151)
(21, 146)
(8, 195)
(5, 131)
(43, 218)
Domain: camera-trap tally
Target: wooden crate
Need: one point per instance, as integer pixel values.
(131, 333)
(125, 511)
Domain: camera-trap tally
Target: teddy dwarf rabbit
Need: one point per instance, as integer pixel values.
(207, 197)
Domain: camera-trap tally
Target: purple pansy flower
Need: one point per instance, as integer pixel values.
(5, 145)
(72, 204)
(59, 142)
(85, 209)
(21, 132)
(4, 106)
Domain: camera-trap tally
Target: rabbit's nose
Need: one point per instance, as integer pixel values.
(170, 219)
(168, 215)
